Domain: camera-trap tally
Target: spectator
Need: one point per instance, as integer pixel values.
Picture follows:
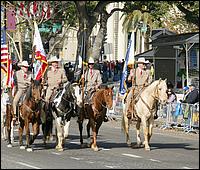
(171, 96)
(192, 96)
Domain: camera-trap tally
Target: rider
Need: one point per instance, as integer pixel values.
(92, 78)
(22, 80)
(55, 77)
(140, 79)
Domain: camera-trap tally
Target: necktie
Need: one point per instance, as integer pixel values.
(91, 72)
(141, 72)
(25, 76)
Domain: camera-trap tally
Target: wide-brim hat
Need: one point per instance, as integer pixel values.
(54, 59)
(141, 60)
(91, 60)
(23, 63)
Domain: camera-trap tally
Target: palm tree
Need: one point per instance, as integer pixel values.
(135, 22)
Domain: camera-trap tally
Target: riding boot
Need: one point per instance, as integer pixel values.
(130, 110)
(131, 114)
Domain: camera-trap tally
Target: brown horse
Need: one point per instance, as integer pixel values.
(101, 101)
(30, 113)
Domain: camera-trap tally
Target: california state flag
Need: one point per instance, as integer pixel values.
(40, 65)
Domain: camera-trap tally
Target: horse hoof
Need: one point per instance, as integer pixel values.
(29, 149)
(95, 148)
(147, 149)
(60, 149)
(22, 147)
(82, 145)
(9, 146)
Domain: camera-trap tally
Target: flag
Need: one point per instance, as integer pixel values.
(4, 51)
(40, 64)
(11, 20)
(6, 62)
(122, 89)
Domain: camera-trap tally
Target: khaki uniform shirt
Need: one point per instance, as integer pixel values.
(91, 81)
(55, 77)
(139, 79)
(22, 80)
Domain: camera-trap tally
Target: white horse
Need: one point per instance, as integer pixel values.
(6, 100)
(145, 108)
(63, 108)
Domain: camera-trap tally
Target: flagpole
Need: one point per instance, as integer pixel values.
(83, 56)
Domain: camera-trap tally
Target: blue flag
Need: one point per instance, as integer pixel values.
(122, 89)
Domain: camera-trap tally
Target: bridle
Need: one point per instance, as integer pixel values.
(155, 97)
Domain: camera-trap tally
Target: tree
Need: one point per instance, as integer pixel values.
(48, 12)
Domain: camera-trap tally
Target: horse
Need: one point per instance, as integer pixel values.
(6, 116)
(29, 112)
(101, 101)
(63, 107)
(145, 108)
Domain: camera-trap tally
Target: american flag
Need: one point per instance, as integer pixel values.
(4, 51)
(6, 62)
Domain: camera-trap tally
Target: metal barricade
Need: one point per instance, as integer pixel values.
(182, 116)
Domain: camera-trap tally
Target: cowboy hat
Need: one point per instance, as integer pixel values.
(23, 63)
(141, 60)
(53, 59)
(131, 61)
(91, 60)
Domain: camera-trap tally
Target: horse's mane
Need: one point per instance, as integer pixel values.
(28, 95)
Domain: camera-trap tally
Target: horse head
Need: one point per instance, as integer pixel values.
(108, 97)
(36, 90)
(162, 91)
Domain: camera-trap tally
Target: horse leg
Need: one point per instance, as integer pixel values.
(125, 126)
(88, 133)
(35, 127)
(20, 131)
(146, 133)
(80, 126)
(138, 132)
(94, 136)
(66, 129)
(8, 126)
(60, 135)
(27, 136)
(12, 132)
(151, 122)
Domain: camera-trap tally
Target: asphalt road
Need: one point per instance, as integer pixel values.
(169, 150)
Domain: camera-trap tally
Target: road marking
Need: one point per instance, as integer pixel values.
(185, 167)
(105, 149)
(131, 155)
(110, 166)
(75, 142)
(22, 163)
(154, 160)
(76, 158)
(56, 153)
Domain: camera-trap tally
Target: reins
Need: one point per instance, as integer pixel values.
(154, 97)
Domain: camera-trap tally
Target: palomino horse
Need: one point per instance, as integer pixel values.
(145, 108)
(29, 112)
(101, 101)
(63, 108)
